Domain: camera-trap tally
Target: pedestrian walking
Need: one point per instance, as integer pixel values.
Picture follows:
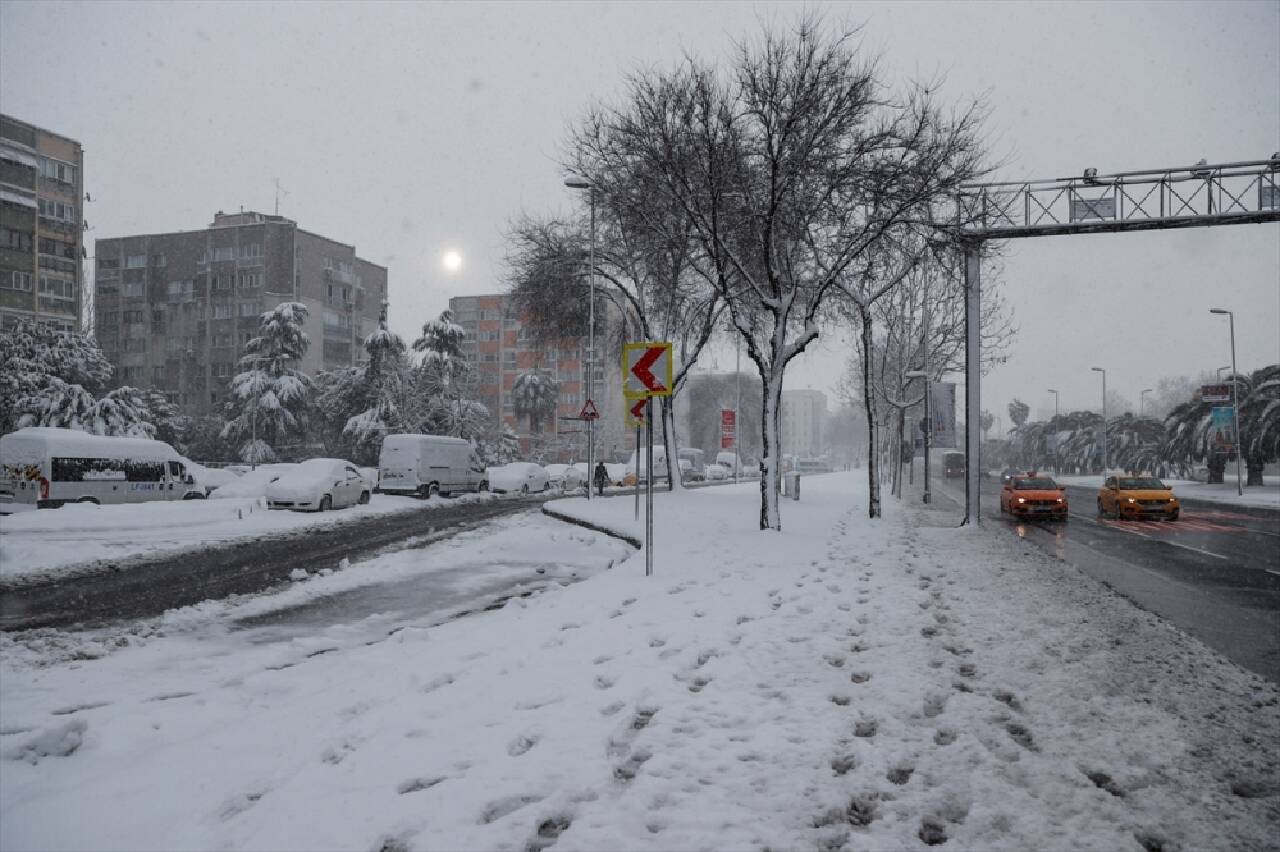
(601, 478)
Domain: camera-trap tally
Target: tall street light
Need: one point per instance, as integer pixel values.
(1235, 400)
(583, 183)
(1104, 419)
(928, 429)
(1055, 401)
(1142, 398)
(1220, 369)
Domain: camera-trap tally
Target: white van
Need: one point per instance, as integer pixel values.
(660, 473)
(428, 464)
(45, 467)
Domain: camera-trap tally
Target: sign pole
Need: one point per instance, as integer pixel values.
(637, 472)
(648, 495)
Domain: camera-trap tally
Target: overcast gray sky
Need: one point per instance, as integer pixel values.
(413, 128)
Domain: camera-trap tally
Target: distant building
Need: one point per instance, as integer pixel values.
(174, 311)
(501, 347)
(41, 226)
(804, 421)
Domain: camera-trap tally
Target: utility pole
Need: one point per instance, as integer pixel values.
(1104, 419)
(1235, 399)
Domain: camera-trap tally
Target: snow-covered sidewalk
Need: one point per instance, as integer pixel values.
(55, 541)
(842, 684)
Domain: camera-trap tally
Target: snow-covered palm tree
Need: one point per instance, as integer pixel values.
(534, 395)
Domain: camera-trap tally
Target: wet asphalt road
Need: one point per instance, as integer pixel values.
(1215, 572)
(149, 586)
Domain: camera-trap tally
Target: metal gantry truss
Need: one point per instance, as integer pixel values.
(1184, 197)
(1188, 197)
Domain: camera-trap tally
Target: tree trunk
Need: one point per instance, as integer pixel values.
(669, 442)
(873, 451)
(770, 469)
(1253, 472)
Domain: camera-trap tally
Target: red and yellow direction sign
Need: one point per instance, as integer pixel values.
(646, 369)
(635, 413)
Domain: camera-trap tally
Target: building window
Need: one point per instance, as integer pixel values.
(133, 317)
(177, 344)
(135, 261)
(220, 282)
(569, 398)
(221, 370)
(57, 210)
(57, 288)
(249, 280)
(489, 357)
(488, 378)
(251, 250)
(133, 374)
(134, 290)
(245, 337)
(223, 253)
(181, 291)
(223, 310)
(15, 281)
(509, 360)
(108, 319)
(135, 344)
(159, 260)
(221, 341)
(250, 309)
(108, 263)
(14, 239)
(157, 374)
(57, 248)
(57, 170)
(336, 322)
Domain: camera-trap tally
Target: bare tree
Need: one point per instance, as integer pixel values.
(791, 167)
(644, 268)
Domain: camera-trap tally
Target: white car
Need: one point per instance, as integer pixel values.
(319, 485)
(564, 477)
(717, 472)
(522, 477)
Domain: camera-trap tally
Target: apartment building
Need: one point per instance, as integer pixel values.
(41, 225)
(804, 420)
(500, 347)
(175, 310)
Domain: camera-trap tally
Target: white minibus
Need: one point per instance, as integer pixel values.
(45, 467)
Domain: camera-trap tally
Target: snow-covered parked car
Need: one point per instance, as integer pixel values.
(319, 485)
(717, 472)
(210, 478)
(522, 477)
(564, 477)
(253, 482)
(617, 472)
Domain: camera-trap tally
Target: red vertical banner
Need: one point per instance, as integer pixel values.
(728, 428)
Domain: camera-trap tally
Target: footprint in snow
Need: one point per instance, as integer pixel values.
(548, 831)
(499, 808)
(523, 743)
(416, 785)
(604, 681)
(866, 728)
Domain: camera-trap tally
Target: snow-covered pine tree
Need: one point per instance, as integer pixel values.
(31, 355)
(70, 406)
(271, 393)
(383, 384)
(446, 383)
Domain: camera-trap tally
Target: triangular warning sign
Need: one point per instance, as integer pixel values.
(589, 411)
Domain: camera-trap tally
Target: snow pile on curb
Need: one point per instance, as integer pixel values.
(841, 684)
(57, 541)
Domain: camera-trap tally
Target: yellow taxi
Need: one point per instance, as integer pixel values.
(1030, 494)
(1137, 496)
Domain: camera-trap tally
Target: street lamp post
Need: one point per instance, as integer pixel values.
(928, 430)
(1056, 462)
(582, 183)
(1104, 419)
(1142, 399)
(1220, 369)
(1235, 399)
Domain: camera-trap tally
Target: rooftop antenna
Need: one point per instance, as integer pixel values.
(278, 192)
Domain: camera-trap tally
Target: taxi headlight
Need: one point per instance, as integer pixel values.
(1022, 500)
(1060, 500)
(1130, 500)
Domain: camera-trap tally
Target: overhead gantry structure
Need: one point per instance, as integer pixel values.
(1202, 195)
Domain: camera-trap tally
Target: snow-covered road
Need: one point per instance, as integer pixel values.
(842, 684)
